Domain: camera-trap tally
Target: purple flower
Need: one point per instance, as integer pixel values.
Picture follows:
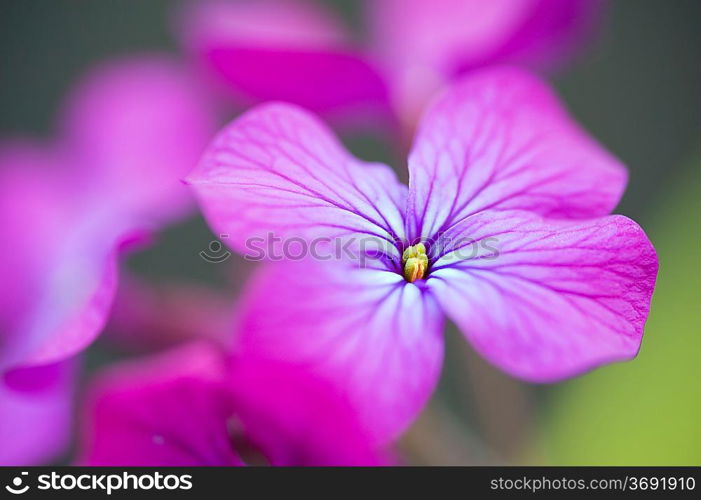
(299, 52)
(130, 130)
(503, 229)
(191, 406)
(68, 207)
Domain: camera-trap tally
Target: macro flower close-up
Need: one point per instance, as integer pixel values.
(503, 228)
(242, 236)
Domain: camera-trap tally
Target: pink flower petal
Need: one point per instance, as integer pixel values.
(369, 332)
(545, 299)
(35, 414)
(293, 51)
(499, 139)
(136, 127)
(296, 418)
(31, 211)
(552, 31)
(190, 407)
(299, 24)
(170, 410)
(132, 129)
(423, 44)
(73, 298)
(440, 33)
(278, 171)
(58, 270)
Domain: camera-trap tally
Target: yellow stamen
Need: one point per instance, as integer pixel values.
(415, 262)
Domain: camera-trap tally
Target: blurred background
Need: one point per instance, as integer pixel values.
(637, 88)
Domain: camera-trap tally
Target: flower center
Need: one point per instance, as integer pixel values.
(414, 262)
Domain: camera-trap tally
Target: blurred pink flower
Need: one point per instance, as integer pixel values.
(128, 133)
(503, 228)
(191, 406)
(297, 51)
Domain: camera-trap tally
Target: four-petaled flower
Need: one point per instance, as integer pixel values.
(495, 158)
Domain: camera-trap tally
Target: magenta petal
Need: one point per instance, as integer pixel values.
(293, 51)
(135, 128)
(59, 267)
(296, 418)
(425, 43)
(278, 171)
(59, 270)
(551, 32)
(131, 131)
(499, 139)
(189, 407)
(73, 300)
(171, 410)
(266, 23)
(440, 33)
(341, 85)
(448, 35)
(422, 42)
(373, 335)
(547, 299)
(35, 414)
(32, 211)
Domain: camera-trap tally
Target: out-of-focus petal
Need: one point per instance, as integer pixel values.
(58, 269)
(296, 418)
(135, 128)
(170, 410)
(190, 407)
(32, 209)
(552, 31)
(131, 131)
(499, 139)
(420, 42)
(292, 24)
(441, 32)
(35, 414)
(424, 43)
(293, 51)
(377, 338)
(73, 297)
(547, 299)
(277, 171)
